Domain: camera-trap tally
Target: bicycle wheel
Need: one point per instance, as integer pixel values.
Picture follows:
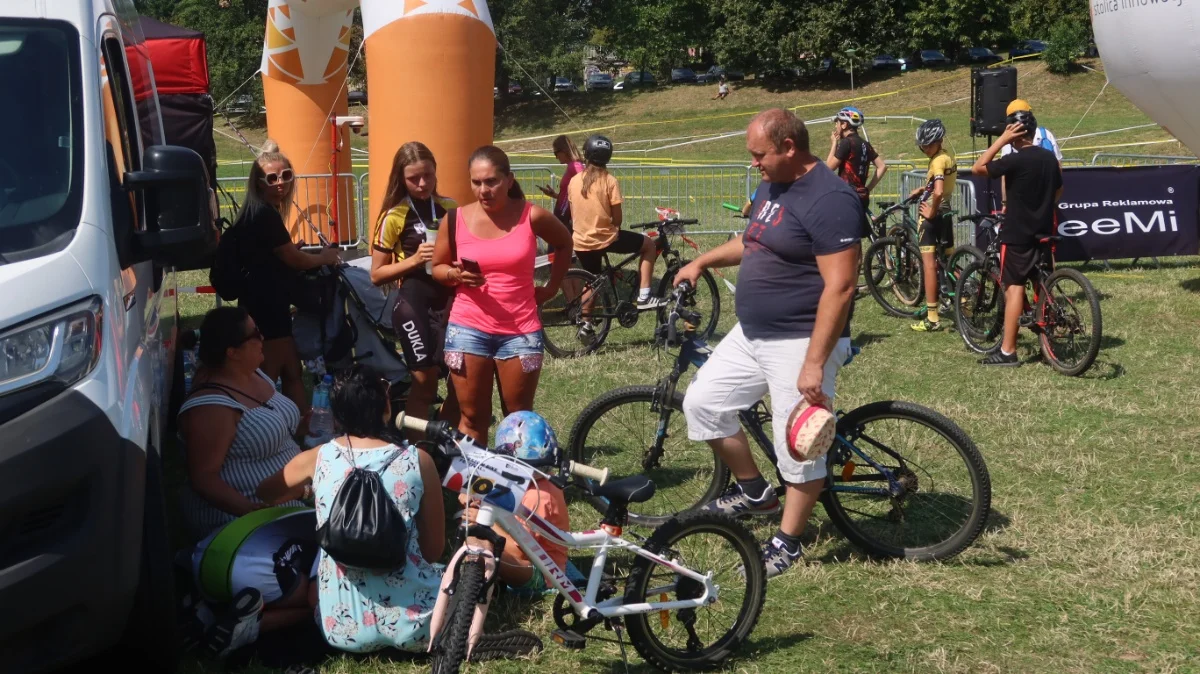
(962, 258)
(450, 644)
(979, 307)
(702, 638)
(621, 432)
(1069, 311)
(947, 493)
(706, 300)
(562, 315)
(901, 290)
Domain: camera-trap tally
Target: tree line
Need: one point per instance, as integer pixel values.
(543, 38)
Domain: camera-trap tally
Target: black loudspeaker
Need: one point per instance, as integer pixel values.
(992, 89)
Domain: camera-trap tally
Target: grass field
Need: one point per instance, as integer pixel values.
(1091, 560)
(669, 115)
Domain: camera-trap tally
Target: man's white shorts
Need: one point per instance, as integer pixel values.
(740, 372)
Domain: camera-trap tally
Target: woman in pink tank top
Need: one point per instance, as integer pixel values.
(494, 326)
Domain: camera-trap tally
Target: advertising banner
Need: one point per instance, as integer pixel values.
(1108, 213)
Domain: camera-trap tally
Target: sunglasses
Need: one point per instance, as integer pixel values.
(257, 334)
(282, 177)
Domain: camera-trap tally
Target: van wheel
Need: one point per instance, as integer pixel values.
(151, 635)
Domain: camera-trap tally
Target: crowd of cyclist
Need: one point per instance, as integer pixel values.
(467, 314)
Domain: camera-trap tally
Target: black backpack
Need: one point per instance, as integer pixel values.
(229, 276)
(365, 528)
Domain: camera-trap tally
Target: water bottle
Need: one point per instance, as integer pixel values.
(320, 425)
(189, 370)
(430, 237)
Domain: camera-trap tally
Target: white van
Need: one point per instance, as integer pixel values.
(95, 216)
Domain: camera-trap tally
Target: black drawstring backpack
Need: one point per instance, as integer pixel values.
(365, 528)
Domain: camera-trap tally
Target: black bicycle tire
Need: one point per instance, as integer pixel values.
(966, 249)
(449, 650)
(637, 395)
(714, 656)
(1093, 298)
(976, 468)
(970, 335)
(879, 293)
(665, 284)
(601, 325)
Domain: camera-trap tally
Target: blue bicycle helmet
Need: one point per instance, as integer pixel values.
(851, 115)
(527, 436)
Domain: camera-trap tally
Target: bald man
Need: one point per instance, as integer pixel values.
(795, 295)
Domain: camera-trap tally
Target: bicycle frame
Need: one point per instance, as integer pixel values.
(500, 491)
(586, 604)
(695, 353)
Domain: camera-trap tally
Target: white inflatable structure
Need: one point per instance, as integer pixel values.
(1151, 54)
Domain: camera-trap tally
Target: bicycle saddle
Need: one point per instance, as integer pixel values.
(632, 489)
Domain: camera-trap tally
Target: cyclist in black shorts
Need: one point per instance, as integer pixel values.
(402, 249)
(937, 226)
(851, 156)
(1034, 184)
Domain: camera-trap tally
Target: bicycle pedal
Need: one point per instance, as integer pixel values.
(568, 639)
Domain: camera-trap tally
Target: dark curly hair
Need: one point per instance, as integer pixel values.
(360, 401)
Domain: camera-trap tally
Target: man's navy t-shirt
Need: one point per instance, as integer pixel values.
(779, 285)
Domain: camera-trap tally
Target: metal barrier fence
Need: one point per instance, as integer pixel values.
(1110, 159)
(695, 191)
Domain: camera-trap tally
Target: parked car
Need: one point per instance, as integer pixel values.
(683, 76)
(1026, 47)
(930, 58)
(359, 97)
(639, 78)
(599, 82)
(514, 88)
(979, 55)
(564, 84)
(887, 62)
(715, 72)
(96, 224)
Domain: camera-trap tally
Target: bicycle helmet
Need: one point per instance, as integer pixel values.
(598, 149)
(851, 115)
(1026, 119)
(930, 132)
(527, 436)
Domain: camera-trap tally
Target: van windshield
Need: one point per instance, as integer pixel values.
(41, 158)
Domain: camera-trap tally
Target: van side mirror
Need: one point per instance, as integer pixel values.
(180, 229)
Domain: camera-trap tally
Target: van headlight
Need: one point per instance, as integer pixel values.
(63, 346)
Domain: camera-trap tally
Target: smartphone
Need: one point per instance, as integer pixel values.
(471, 265)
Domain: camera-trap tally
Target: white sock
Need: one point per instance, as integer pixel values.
(644, 293)
(1005, 353)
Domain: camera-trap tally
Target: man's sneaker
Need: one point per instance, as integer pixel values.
(506, 645)
(926, 325)
(238, 627)
(586, 333)
(650, 302)
(736, 503)
(776, 557)
(1000, 359)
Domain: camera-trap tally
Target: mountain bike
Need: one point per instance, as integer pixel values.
(1064, 313)
(612, 294)
(894, 273)
(693, 594)
(903, 481)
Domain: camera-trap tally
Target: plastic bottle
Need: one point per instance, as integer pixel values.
(321, 423)
(189, 370)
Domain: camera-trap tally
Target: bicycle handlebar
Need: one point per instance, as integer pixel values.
(660, 223)
(583, 470)
(405, 422)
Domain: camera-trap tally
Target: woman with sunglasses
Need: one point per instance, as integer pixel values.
(236, 429)
(274, 263)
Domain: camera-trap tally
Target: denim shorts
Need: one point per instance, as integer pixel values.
(461, 340)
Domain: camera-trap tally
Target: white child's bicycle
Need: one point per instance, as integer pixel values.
(692, 595)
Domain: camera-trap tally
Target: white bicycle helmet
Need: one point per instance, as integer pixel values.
(851, 115)
(930, 132)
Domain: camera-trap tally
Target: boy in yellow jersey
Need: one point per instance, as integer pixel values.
(936, 227)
